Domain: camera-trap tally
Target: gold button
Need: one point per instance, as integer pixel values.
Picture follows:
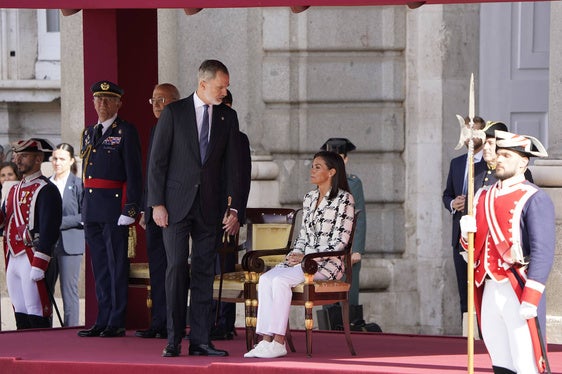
(95, 151)
(90, 190)
(116, 195)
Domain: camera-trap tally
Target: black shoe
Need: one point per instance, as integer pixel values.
(112, 332)
(152, 333)
(171, 350)
(92, 331)
(205, 350)
(220, 334)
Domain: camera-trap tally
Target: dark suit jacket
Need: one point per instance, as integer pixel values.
(72, 231)
(455, 182)
(245, 173)
(176, 173)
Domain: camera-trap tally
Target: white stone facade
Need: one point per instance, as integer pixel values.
(388, 78)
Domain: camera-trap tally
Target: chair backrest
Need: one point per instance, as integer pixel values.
(270, 228)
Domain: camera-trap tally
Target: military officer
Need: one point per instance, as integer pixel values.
(342, 146)
(112, 175)
(33, 214)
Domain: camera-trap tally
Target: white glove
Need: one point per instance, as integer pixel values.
(527, 310)
(468, 224)
(36, 274)
(125, 221)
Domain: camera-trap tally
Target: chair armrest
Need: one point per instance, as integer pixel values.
(252, 260)
(309, 264)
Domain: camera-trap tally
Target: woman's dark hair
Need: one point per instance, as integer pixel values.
(339, 180)
(13, 166)
(70, 149)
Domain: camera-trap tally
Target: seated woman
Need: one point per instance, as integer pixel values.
(327, 221)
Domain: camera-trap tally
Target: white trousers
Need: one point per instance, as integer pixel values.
(274, 298)
(505, 333)
(23, 292)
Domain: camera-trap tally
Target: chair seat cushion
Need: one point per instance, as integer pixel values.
(232, 285)
(139, 270)
(325, 286)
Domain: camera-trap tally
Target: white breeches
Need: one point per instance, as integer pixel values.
(505, 333)
(23, 292)
(274, 298)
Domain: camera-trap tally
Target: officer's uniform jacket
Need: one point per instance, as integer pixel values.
(112, 173)
(356, 189)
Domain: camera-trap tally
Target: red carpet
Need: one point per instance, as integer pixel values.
(62, 351)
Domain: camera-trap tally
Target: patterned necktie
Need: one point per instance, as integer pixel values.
(98, 132)
(204, 135)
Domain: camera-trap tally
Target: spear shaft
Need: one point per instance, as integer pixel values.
(469, 206)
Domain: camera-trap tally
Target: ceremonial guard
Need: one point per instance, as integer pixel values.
(112, 175)
(514, 226)
(33, 213)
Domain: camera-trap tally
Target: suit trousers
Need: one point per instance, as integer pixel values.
(157, 268)
(505, 333)
(108, 250)
(462, 277)
(227, 311)
(67, 268)
(202, 271)
(354, 290)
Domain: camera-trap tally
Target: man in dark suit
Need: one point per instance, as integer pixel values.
(162, 95)
(454, 197)
(194, 142)
(112, 175)
(224, 327)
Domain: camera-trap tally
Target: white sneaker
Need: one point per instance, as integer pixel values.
(257, 348)
(272, 350)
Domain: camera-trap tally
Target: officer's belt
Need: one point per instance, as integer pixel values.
(102, 183)
(109, 184)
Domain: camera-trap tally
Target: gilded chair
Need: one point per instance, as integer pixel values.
(315, 292)
(267, 229)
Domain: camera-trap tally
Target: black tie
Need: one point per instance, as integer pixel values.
(98, 132)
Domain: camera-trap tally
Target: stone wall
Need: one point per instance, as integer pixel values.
(388, 78)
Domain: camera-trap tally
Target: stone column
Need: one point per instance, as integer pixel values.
(72, 80)
(548, 175)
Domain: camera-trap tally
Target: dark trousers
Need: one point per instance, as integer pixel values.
(157, 268)
(354, 290)
(176, 243)
(462, 277)
(108, 250)
(227, 311)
